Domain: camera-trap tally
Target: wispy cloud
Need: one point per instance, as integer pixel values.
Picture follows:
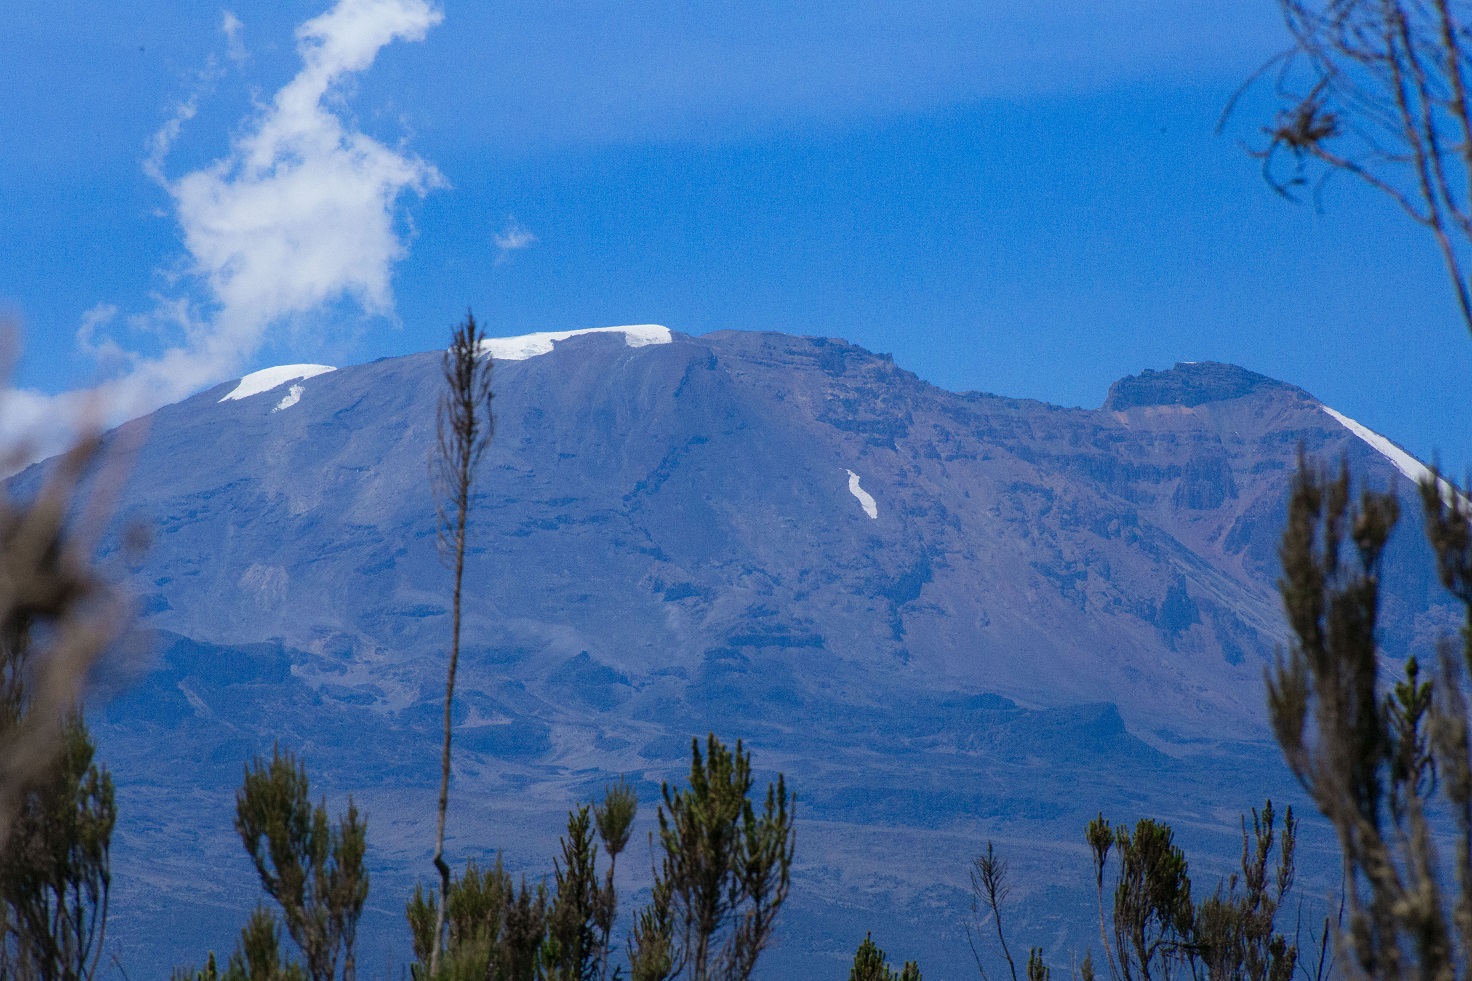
(163, 138)
(299, 214)
(232, 28)
(511, 239)
(94, 321)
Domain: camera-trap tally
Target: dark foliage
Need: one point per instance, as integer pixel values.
(723, 874)
(870, 965)
(312, 869)
(1372, 756)
(55, 869)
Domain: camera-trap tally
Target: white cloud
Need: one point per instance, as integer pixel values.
(232, 28)
(511, 239)
(300, 213)
(163, 140)
(99, 317)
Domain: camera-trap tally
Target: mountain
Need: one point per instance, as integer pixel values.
(945, 617)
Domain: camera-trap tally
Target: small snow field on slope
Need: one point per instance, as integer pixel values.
(292, 397)
(865, 499)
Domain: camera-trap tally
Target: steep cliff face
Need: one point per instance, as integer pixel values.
(957, 614)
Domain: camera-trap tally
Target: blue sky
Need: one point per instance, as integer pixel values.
(1022, 198)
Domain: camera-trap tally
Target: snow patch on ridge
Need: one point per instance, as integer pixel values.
(531, 345)
(1403, 461)
(268, 378)
(865, 499)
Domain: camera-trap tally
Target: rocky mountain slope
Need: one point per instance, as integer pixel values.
(946, 617)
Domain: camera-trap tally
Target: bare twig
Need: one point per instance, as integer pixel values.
(990, 887)
(1377, 89)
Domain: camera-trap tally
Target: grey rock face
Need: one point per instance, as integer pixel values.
(1054, 612)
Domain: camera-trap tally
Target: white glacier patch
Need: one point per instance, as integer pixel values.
(1403, 461)
(532, 345)
(292, 397)
(268, 378)
(865, 499)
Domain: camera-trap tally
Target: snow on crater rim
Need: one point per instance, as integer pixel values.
(532, 345)
(268, 378)
(866, 500)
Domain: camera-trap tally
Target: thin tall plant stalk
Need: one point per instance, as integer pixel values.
(464, 427)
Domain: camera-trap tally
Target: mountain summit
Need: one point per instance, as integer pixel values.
(1192, 383)
(959, 614)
